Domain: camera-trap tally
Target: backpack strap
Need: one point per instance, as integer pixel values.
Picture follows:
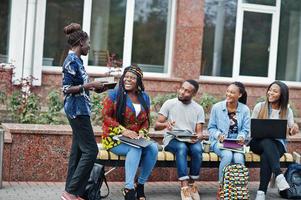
(108, 189)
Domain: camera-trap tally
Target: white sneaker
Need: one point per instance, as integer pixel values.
(260, 195)
(282, 183)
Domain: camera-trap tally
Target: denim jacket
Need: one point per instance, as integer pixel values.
(74, 74)
(219, 121)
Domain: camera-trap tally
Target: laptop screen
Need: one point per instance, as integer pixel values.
(268, 128)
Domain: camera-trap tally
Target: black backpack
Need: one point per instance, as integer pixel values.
(97, 177)
(293, 177)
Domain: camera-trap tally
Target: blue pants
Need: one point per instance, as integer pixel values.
(181, 150)
(227, 157)
(147, 158)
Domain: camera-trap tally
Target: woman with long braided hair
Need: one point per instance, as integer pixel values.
(126, 112)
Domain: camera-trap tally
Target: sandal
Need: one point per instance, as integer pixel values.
(129, 194)
(140, 192)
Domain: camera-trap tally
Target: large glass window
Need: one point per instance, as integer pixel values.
(219, 37)
(289, 44)
(255, 44)
(4, 29)
(58, 15)
(149, 35)
(107, 31)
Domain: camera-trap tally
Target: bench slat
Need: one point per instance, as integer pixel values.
(164, 156)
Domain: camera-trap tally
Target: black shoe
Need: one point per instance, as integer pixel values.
(129, 194)
(140, 191)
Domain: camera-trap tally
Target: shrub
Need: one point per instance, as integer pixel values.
(24, 110)
(53, 114)
(207, 101)
(97, 106)
(158, 100)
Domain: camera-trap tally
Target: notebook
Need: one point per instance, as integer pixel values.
(268, 128)
(138, 143)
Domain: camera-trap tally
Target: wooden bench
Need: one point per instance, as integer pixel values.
(210, 159)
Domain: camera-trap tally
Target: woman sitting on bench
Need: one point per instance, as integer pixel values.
(229, 119)
(271, 150)
(126, 112)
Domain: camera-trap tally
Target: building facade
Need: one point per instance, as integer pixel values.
(213, 41)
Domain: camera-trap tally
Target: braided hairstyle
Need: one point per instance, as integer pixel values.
(122, 93)
(74, 34)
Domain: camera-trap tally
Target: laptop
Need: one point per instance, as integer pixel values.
(138, 143)
(268, 128)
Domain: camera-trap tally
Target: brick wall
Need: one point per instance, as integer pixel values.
(40, 153)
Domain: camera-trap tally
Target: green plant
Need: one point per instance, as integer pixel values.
(158, 100)
(207, 101)
(24, 110)
(53, 114)
(96, 108)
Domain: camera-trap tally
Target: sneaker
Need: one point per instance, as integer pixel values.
(260, 195)
(194, 192)
(68, 196)
(185, 193)
(282, 183)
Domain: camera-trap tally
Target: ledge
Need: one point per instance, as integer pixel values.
(11, 128)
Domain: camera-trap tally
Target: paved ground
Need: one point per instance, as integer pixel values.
(154, 191)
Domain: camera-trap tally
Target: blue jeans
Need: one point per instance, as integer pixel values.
(227, 157)
(182, 149)
(147, 158)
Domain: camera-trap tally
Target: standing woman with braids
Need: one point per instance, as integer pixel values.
(126, 112)
(271, 150)
(229, 119)
(76, 89)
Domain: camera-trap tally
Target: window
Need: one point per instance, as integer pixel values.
(264, 42)
(219, 37)
(58, 15)
(107, 31)
(130, 31)
(254, 60)
(289, 46)
(4, 27)
(149, 35)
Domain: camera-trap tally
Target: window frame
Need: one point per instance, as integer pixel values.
(128, 36)
(272, 68)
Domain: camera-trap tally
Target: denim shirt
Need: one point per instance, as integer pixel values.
(219, 121)
(74, 74)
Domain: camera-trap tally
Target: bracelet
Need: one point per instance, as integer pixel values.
(81, 88)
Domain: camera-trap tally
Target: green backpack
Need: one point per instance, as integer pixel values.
(235, 183)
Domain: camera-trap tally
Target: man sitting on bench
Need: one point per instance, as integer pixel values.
(182, 113)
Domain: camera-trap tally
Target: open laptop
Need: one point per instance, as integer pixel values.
(268, 128)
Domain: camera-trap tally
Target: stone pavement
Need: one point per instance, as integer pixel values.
(154, 191)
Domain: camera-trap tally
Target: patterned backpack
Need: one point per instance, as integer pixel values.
(235, 183)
